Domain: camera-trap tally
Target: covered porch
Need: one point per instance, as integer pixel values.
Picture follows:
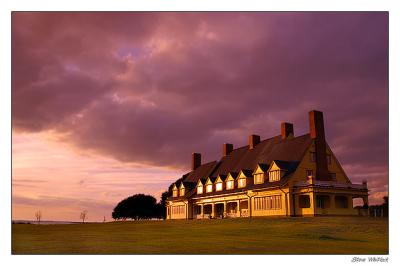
(224, 209)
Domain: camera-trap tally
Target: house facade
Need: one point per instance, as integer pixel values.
(280, 176)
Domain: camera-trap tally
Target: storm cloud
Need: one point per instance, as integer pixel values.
(152, 88)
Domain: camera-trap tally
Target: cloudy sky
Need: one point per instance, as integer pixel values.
(106, 105)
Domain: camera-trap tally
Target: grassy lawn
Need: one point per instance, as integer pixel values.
(312, 235)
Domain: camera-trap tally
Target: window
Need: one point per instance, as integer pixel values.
(304, 201)
(333, 176)
(258, 178)
(313, 157)
(309, 172)
(182, 192)
(268, 203)
(218, 187)
(178, 209)
(323, 201)
(175, 193)
(274, 175)
(200, 189)
(329, 158)
(229, 184)
(242, 182)
(209, 188)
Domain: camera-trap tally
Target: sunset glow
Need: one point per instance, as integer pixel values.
(107, 105)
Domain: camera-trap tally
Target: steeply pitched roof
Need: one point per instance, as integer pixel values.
(289, 166)
(203, 171)
(286, 153)
(265, 152)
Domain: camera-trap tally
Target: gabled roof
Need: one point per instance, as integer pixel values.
(222, 177)
(287, 153)
(264, 167)
(289, 166)
(246, 172)
(264, 152)
(203, 171)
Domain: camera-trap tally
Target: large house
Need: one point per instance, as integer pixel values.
(280, 176)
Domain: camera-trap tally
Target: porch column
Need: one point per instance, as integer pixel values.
(202, 210)
(350, 202)
(365, 200)
(332, 201)
(224, 214)
(237, 209)
(212, 210)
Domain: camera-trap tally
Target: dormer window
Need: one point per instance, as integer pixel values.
(274, 175)
(258, 178)
(229, 184)
(182, 192)
(218, 186)
(209, 188)
(242, 182)
(174, 192)
(200, 189)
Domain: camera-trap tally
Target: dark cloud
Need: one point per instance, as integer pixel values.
(154, 87)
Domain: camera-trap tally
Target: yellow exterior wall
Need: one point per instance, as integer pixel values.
(306, 164)
(285, 204)
(177, 216)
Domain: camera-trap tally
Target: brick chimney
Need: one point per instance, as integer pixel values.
(287, 130)
(227, 148)
(317, 133)
(253, 141)
(196, 160)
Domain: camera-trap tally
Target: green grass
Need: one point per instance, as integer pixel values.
(311, 235)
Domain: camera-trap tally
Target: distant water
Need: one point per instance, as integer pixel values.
(45, 222)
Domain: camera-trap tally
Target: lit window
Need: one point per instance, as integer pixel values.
(229, 184)
(274, 175)
(309, 173)
(258, 178)
(268, 203)
(242, 182)
(182, 192)
(209, 188)
(218, 187)
(175, 193)
(313, 157)
(200, 190)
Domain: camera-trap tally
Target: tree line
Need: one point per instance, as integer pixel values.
(140, 206)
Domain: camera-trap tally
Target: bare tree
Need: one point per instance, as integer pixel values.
(38, 215)
(84, 216)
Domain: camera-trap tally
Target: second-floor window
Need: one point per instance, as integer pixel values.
(218, 187)
(209, 188)
(333, 176)
(242, 182)
(274, 175)
(309, 173)
(175, 193)
(200, 190)
(258, 178)
(229, 184)
(182, 192)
